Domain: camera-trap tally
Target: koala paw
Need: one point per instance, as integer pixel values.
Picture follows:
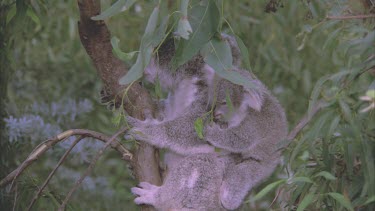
(146, 193)
(133, 121)
(228, 200)
(136, 134)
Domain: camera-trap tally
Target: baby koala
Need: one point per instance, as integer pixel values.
(192, 184)
(186, 101)
(252, 127)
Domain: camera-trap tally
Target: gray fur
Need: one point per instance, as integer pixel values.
(191, 185)
(249, 131)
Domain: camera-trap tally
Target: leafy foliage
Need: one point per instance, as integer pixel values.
(301, 55)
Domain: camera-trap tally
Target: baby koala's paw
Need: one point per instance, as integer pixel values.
(229, 198)
(146, 193)
(137, 134)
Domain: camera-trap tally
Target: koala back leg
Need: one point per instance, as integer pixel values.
(193, 184)
(240, 178)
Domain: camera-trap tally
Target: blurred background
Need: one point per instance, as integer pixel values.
(49, 85)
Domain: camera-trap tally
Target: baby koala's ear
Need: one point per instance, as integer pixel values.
(254, 99)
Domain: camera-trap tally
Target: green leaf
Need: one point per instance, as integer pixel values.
(146, 50)
(326, 175)
(301, 179)
(315, 94)
(332, 37)
(244, 53)
(127, 57)
(369, 201)
(218, 55)
(306, 201)
(267, 189)
(117, 7)
(228, 101)
(204, 19)
(33, 16)
(184, 28)
(345, 110)
(319, 85)
(198, 126)
(342, 200)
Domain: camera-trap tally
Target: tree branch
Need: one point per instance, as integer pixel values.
(54, 171)
(95, 38)
(90, 168)
(41, 148)
(305, 120)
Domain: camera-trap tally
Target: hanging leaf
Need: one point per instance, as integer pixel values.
(145, 53)
(267, 189)
(301, 179)
(117, 7)
(204, 19)
(127, 57)
(306, 201)
(342, 200)
(326, 175)
(184, 28)
(244, 53)
(369, 201)
(218, 55)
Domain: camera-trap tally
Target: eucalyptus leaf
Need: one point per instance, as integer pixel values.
(301, 179)
(146, 49)
(204, 19)
(218, 55)
(244, 53)
(342, 200)
(116, 8)
(198, 126)
(184, 28)
(306, 201)
(326, 175)
(267, 189)
(127, 57)
(369, 200)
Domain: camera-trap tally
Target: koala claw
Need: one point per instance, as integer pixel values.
(146, 193)
(136, 134)
(133, 121)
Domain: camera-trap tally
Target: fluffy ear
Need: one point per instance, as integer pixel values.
(253, 99)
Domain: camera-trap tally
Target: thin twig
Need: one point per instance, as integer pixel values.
(305, 120)
(90, 168)
(54, 171)
(350, 17)
(15, 198)
(41, 148)
(274, 199)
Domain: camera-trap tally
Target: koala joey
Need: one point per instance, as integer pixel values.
(186, 101)
(251, 127)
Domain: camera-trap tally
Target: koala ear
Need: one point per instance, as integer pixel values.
(253, 99)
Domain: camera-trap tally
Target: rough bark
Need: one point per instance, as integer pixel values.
(95, 38)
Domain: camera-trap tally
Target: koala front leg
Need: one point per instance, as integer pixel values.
(240, 179)
(146, 193)
(177, 135)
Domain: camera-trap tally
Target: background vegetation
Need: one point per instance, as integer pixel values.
(300, 54)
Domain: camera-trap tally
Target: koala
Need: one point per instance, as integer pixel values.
(193, 184)
(186, 101)
(248, 129)
(252, 127)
